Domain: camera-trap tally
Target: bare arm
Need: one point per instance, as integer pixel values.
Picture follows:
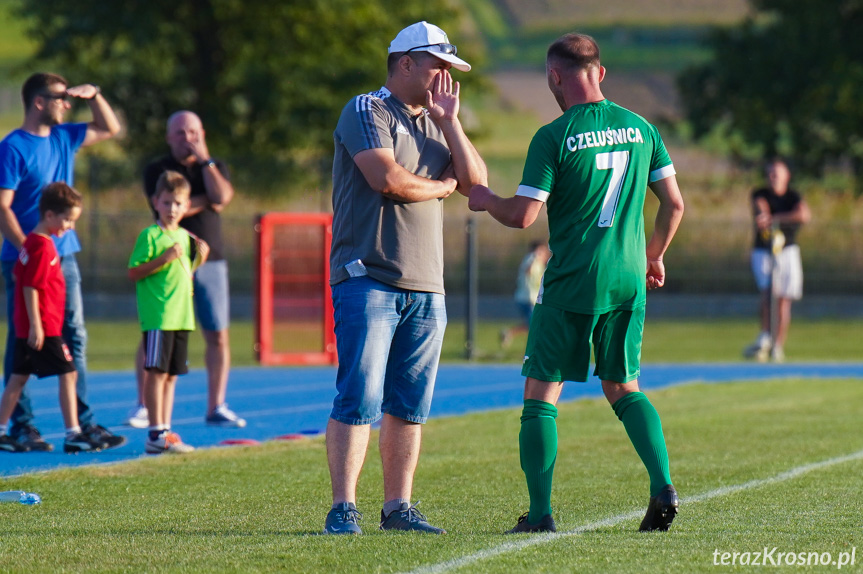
(668, 218)
(443, 105)
(105, 124)
(220, 192)
(388, 178)
(764, 219)
(9, 226)
(37, 333)
(145, 269)
(517, 211)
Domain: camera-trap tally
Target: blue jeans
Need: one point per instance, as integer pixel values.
(74, 334)
(389, 342)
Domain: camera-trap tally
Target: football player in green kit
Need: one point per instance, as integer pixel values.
(591, 167)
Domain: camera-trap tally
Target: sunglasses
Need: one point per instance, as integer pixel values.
(50, 96)
(439, 48)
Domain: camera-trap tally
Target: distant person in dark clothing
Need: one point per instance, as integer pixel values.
(778, 213)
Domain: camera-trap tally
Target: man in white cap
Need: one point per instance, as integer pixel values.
(399, 152)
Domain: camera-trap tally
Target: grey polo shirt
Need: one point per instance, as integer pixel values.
(396, 243)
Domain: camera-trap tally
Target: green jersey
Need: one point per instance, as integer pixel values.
(591, 166)
(164, 297)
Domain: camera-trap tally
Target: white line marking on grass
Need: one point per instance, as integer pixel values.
(517, 545)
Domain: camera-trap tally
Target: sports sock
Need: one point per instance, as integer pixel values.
(537, 443)
(392, 505)
(644, 428)
(72, 431)
(155, 432)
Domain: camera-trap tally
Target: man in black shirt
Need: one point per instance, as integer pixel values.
(778, 213)
(211, 193)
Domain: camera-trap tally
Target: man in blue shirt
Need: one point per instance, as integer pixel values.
(40, 152)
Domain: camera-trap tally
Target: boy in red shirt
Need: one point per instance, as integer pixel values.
(40, 301)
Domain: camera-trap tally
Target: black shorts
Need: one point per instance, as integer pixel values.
(52, 359)
(166, 351)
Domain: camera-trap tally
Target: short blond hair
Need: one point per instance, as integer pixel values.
(174, 183)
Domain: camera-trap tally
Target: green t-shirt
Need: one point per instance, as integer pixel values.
(164, 297)
(591, 166)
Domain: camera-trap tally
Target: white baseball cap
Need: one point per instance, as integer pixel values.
(425, 37)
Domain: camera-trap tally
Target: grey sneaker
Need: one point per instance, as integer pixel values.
(408, 518)
(222, 416)
(545, 524)
(661, 510)
(343, 519)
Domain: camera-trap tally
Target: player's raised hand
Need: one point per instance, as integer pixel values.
(442, 100)
(655, 273)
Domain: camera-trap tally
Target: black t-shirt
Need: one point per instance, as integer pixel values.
(207, 224)
(778, 204)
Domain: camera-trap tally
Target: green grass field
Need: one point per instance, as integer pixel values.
(259, 509)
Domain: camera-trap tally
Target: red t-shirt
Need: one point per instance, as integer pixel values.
(38, 266)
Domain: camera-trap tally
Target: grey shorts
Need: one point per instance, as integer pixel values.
(212, 304)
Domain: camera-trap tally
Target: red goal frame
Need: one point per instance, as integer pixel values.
(275, 311)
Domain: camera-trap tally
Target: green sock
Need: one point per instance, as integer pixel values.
(644, 428)
(537, 442)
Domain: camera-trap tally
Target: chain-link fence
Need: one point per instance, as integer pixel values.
(707, 257)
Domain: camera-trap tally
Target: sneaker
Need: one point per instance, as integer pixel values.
(661, 510)
(9, 444)
(100, 434)
(759, 350)
(777, 355)
(138, 417)
(224, 417)
(545, 524)
(30, 437)
(343, 519)
(82, 442)
(167, 442)
(408, 518)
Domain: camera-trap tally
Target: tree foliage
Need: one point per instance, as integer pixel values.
(788, 79)
(268, 77)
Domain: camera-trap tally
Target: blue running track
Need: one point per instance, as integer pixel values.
(280, 401)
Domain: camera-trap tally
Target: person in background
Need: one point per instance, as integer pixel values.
(40, 152)
(778, 212)
(162, 266)
(212, 191)
(527, 287)
(40, 302)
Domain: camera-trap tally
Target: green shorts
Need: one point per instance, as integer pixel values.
(558, 345)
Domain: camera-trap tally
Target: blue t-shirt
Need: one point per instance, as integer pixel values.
(27, 164)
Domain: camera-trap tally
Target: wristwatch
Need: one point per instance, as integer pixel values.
(98, 91)
(208, 163)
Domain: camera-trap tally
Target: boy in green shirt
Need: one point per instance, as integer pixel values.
(162, 265)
